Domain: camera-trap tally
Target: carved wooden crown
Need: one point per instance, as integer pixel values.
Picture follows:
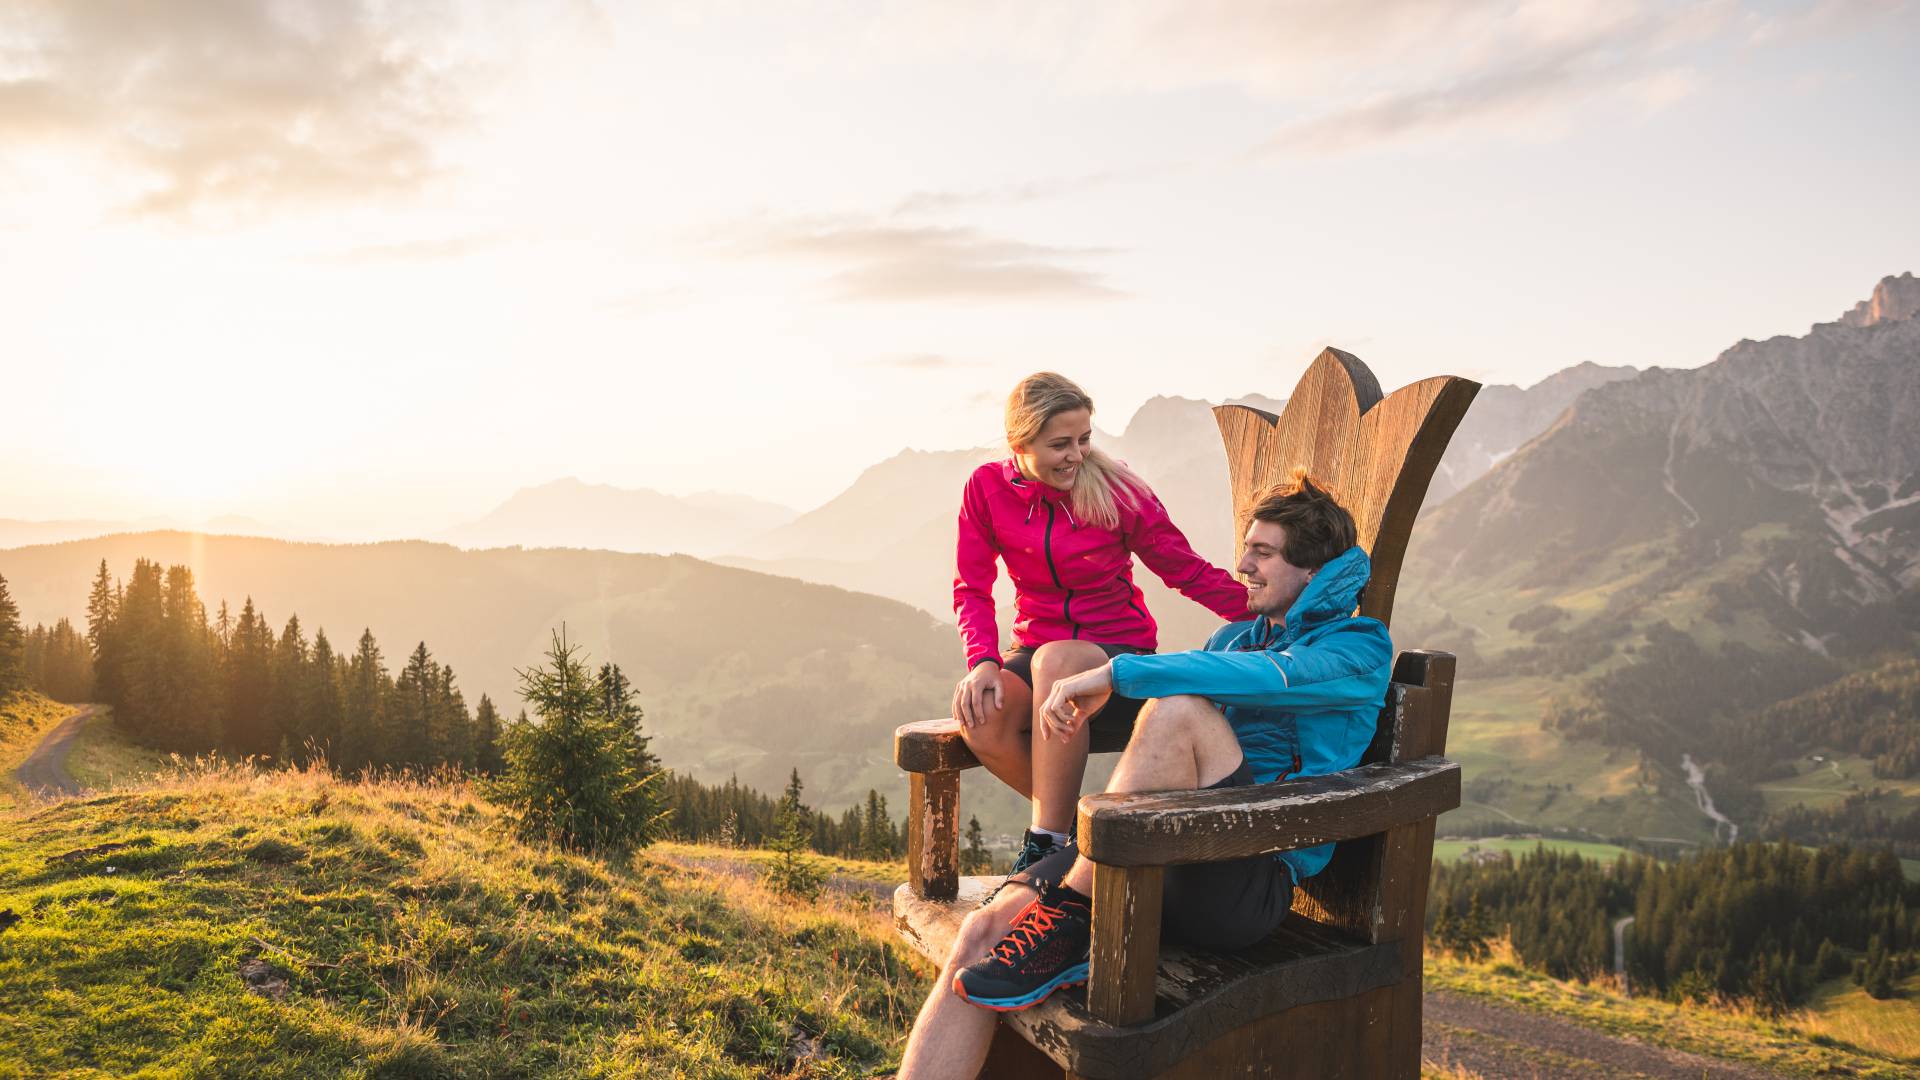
(1376, 454)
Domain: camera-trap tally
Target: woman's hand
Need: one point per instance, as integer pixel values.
(970, 694)
(1073, 701)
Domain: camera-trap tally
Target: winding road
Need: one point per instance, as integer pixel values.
(45, 770)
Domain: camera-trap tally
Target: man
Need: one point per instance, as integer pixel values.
(1293, 691)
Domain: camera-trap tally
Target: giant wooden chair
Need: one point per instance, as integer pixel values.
(1335, 992)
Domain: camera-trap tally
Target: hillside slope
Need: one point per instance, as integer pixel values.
(738, 672)
(293, 925)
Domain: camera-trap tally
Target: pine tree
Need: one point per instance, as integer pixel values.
(250, 730)
(486, 738)
(288, 705)
(570, 774)
(456, 724)
(793, 872)
(362, 742)
(876, 829)
(975, 859)
(13, 645)
(325, 710)
(411, 715)
(186, 707)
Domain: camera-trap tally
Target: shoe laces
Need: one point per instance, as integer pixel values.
(1033, 923)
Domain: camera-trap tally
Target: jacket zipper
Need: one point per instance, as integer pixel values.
(1066, 606)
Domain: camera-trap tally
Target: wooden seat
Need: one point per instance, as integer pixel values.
(1336, 991)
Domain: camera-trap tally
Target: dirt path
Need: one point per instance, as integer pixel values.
(45, 770)
(1502, 1043)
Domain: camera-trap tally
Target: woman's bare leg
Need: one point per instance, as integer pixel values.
(1002, 742)
(1059, 766)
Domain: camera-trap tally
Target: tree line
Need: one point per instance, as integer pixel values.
(735, 816)
(181, 681)
(1758, 922)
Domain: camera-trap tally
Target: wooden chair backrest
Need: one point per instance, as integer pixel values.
(1377, 454)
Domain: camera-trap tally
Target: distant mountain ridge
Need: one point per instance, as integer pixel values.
(1803, 452)
(571, 513)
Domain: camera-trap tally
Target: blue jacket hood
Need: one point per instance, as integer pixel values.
(1332, 594)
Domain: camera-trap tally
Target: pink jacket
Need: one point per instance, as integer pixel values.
(1071, 579)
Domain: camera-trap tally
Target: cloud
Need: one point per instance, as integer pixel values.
(230, 104)
(413, 251)
(1611, 52)
(1342, 74)
(1824, 17)
(923, 202)
(882, 262)
(647, 301)
(923, 362)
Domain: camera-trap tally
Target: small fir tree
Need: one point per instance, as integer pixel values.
(794, 872)
(571, 775)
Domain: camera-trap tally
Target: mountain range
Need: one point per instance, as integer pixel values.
(1635, 566)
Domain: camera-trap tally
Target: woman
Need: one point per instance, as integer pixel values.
(1065, 519)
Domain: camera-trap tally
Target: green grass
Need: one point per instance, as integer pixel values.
(1843, 1012)
(102, 758)
(418, 938)
(25, 718)
(1451, 850)
(1799, 1044)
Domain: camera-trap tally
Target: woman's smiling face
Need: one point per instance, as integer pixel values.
(1054, 456)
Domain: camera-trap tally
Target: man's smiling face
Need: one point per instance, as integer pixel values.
(1273, 583)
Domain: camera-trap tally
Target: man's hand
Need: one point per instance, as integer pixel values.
(1074, 700)
(970, 694)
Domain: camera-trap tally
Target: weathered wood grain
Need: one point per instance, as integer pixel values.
(1126, 942)
(1198, 996)
(933, 832)
(1169, 828)
(931, 746)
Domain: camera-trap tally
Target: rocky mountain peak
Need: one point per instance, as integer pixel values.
(1894, 298)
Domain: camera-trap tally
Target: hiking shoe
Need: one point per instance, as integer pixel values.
(1045, 950)
(1034, 847)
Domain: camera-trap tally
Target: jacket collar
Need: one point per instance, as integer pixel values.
(1033, 491)
(1332, 594)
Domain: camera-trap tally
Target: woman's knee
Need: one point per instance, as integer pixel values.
(1004, 730)
(1056, 660)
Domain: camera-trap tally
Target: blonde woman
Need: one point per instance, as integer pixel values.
(1066, 520)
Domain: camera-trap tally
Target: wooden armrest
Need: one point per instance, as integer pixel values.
(931, 746)
(1167, 828)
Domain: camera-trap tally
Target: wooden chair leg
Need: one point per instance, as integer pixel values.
(933, 834)
(1126, 942)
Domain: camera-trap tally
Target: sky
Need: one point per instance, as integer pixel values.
(364, 269)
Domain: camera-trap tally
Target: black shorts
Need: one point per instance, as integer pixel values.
(1118, 714)
(1218, 905)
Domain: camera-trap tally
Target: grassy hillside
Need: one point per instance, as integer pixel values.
(1838, 1036)
(290, 924)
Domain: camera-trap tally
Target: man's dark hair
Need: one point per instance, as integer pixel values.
(1318, 527)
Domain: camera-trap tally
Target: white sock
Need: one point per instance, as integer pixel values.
(1059, 838)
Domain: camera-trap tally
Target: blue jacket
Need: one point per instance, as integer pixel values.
(1304, 698)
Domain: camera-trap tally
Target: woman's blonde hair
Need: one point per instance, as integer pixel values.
(1102, 485)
